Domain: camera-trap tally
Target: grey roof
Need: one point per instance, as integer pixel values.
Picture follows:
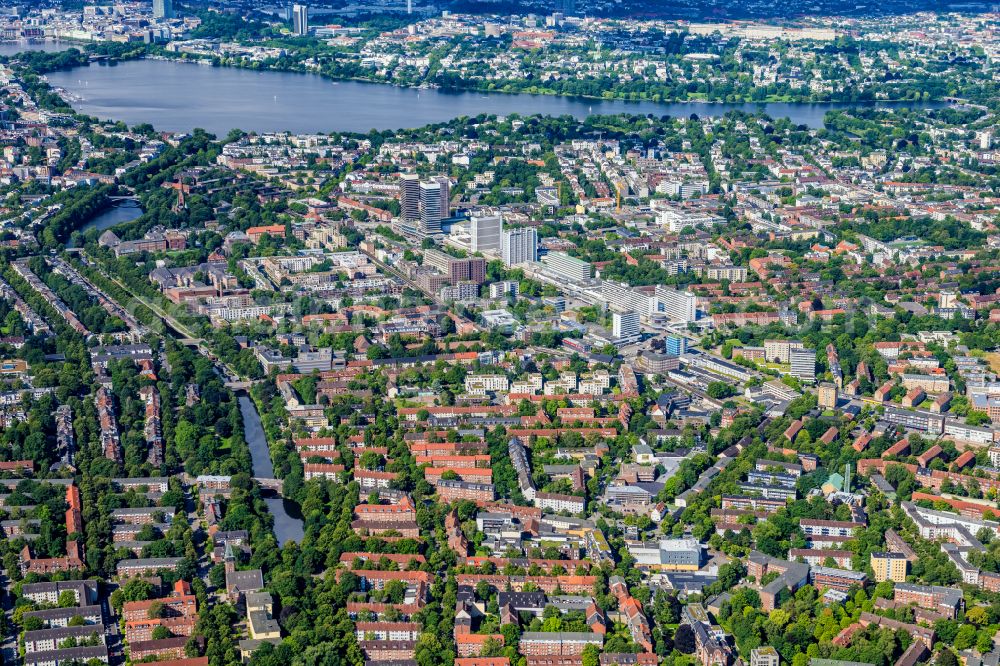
(262, 623)
(794, 572)
(522, 600)
(232, 535)
(688, 581)
(60, 633)
(250, 580)
(259, 598)
(948, 595)
(57, 586)
(61, 613)
(141, 481)
(844, 573)
(151, 562)
(568, 602)
(143, 511)
(82, 654)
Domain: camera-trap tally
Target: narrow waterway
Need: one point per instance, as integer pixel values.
(287, 514)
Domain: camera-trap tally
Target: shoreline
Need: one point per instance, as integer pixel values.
(204, 61)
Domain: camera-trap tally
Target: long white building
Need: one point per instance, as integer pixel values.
(519, 246)
(678, 305)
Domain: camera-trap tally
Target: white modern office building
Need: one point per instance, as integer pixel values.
(677, 305)
(486, 232)
(803, 362)
(519, 246)
(569, 267)
(625, 325)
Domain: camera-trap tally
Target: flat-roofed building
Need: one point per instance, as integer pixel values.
(803, 364)
(836, 579)
(889, 566)
(539, 643)
(945, 600)
(485, 232)
(568, 267)
(764, 656)
(145, 566)
(668, 555)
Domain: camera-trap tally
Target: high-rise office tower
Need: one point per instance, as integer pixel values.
(409, 197)
(678, 305)
(803, 364)
(675, 345)
(300, 20)
(485, 231)
(625, 324)
(445, 195)
(430, 207)
(519, 246)
(163, 9)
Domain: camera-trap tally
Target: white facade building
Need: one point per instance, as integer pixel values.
(519, 246)
(678, 305)
(625, 325)
(486, 232)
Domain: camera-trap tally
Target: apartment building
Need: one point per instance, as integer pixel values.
(889, 566)
(945, 600)
(537, 643)
(84, 591)
(841, 580)
(61, 617)
(559, 502)
(45, 640)
(764, 656)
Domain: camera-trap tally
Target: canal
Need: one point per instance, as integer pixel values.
(288, 525)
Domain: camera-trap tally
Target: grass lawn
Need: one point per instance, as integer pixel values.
(993, 358)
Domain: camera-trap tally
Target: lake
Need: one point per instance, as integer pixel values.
(179, 96)
(123, 211)
(11, 48)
